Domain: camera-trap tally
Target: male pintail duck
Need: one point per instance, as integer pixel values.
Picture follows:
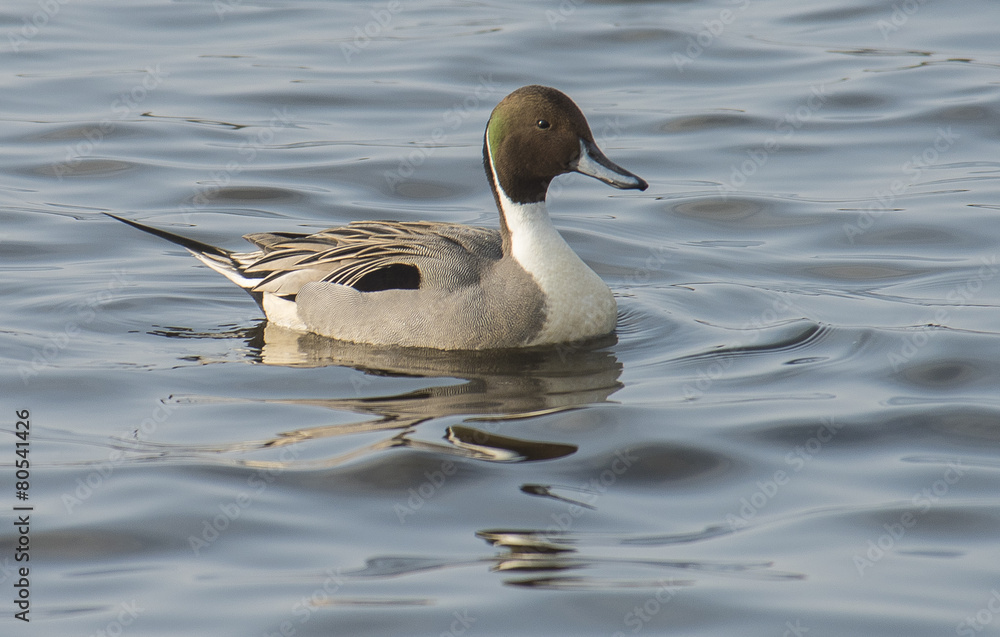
(443, 285)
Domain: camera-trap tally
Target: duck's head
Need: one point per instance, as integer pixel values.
(537, 133)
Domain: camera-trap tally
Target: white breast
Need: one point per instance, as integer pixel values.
(578, 303)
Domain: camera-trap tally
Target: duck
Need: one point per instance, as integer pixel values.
(439, 285)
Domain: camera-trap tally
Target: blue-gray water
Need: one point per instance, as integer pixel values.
(796, 432)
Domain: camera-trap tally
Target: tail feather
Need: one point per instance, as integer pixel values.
(219, 259)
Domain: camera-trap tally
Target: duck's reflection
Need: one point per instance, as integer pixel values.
(545, 559)
(568, 560)
(498, 385)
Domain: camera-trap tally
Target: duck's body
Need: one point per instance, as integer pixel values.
(442, 285)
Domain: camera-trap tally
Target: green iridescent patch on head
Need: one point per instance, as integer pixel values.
(496, 129)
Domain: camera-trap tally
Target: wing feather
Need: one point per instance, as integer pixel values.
(441, 254)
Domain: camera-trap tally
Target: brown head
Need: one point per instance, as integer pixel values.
(537, 133)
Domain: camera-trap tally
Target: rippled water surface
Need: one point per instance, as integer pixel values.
(796, 429)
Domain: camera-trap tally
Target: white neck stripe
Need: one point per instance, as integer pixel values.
(578, 304)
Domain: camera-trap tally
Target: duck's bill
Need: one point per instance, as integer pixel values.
(594, 163)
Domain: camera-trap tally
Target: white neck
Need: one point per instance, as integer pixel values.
(578, 303)
(535, 243)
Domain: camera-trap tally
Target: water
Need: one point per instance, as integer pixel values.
(795, 431)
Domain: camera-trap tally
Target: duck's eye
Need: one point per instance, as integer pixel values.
(542, 124)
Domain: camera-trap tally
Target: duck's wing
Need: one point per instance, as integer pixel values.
(368, 256)
(372, 256)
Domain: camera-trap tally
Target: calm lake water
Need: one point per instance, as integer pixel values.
(795, 431)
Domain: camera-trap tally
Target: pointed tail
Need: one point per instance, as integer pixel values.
(214, 257)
